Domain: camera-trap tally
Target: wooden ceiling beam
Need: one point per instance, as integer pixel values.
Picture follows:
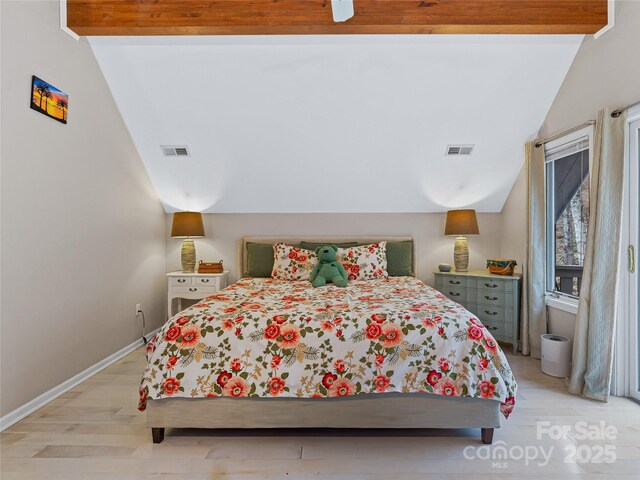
(293, 17)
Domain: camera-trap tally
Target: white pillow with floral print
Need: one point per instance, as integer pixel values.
(366, 262)
(292, 263)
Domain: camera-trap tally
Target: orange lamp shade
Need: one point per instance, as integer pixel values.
(461, 222)
(187, 224)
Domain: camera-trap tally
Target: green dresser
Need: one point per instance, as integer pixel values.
(494, 299)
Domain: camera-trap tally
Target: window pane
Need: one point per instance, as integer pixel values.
(571, 218)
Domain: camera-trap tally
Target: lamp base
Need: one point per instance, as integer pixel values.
(188, 256)
(461, 254)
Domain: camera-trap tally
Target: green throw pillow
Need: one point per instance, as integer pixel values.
(400, 259)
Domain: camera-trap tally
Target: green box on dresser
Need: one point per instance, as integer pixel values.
(494, 299)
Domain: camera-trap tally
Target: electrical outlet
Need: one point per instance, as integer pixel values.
(138, 309)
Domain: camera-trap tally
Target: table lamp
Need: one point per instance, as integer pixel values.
(461, 223)
(187, 225)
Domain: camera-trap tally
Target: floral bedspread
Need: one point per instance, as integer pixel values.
(270, 338)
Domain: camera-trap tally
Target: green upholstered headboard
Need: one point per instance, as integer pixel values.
(255, 253)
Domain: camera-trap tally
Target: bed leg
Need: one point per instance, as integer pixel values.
(157, 434)
(487, 435)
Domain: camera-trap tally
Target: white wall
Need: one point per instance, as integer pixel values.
(513, 223)
(604, 73)
(82, 229)
(432, 247)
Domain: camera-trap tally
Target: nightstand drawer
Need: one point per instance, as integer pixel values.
(193, 286)
(494, 297)
(180, 281)
(207, 281)
(194, 290)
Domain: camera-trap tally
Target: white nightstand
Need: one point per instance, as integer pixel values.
(193, 286)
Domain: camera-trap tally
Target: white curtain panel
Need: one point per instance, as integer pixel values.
(595, 322)
(534, 314)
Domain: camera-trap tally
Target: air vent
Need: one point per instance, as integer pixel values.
(459, 150)
(175, 150)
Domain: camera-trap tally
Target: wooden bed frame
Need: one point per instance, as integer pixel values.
(389, 410)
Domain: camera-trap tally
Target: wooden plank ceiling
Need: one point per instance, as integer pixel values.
(268, 17)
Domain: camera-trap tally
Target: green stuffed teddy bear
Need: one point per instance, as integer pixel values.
(328, 269)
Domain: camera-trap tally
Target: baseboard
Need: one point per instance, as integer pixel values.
(149, 336)
(41, 400)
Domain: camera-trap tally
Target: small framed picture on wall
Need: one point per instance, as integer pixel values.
(49, 100)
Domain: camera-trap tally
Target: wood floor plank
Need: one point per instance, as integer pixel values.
(84, 451)
(9, 438)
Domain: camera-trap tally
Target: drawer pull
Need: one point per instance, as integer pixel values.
(454, 282)
(490, 298)
(491, 328)
(490, 313)
(204, 280)
(491, 285)
(181, 280)
(454, 294)
(193, 289)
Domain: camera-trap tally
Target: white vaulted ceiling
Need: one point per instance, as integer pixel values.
(334, 123)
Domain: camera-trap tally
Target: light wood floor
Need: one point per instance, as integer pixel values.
(95, 432)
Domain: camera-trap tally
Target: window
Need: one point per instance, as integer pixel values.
(567, 181)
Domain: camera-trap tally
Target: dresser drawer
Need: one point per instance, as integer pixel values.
(499, 329)
(180, 281)
(491, 298)
(470, 305)
(194, 290)
(495, 285)
(495, 314)
(455, 281)
(497, 326)
(457, 294)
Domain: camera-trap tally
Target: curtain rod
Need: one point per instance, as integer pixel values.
(618, 112)
(565, 132)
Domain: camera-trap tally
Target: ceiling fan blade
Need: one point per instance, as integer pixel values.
(342, 10)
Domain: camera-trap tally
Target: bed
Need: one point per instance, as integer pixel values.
(388, 353)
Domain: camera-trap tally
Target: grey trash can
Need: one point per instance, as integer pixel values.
(556, 355)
